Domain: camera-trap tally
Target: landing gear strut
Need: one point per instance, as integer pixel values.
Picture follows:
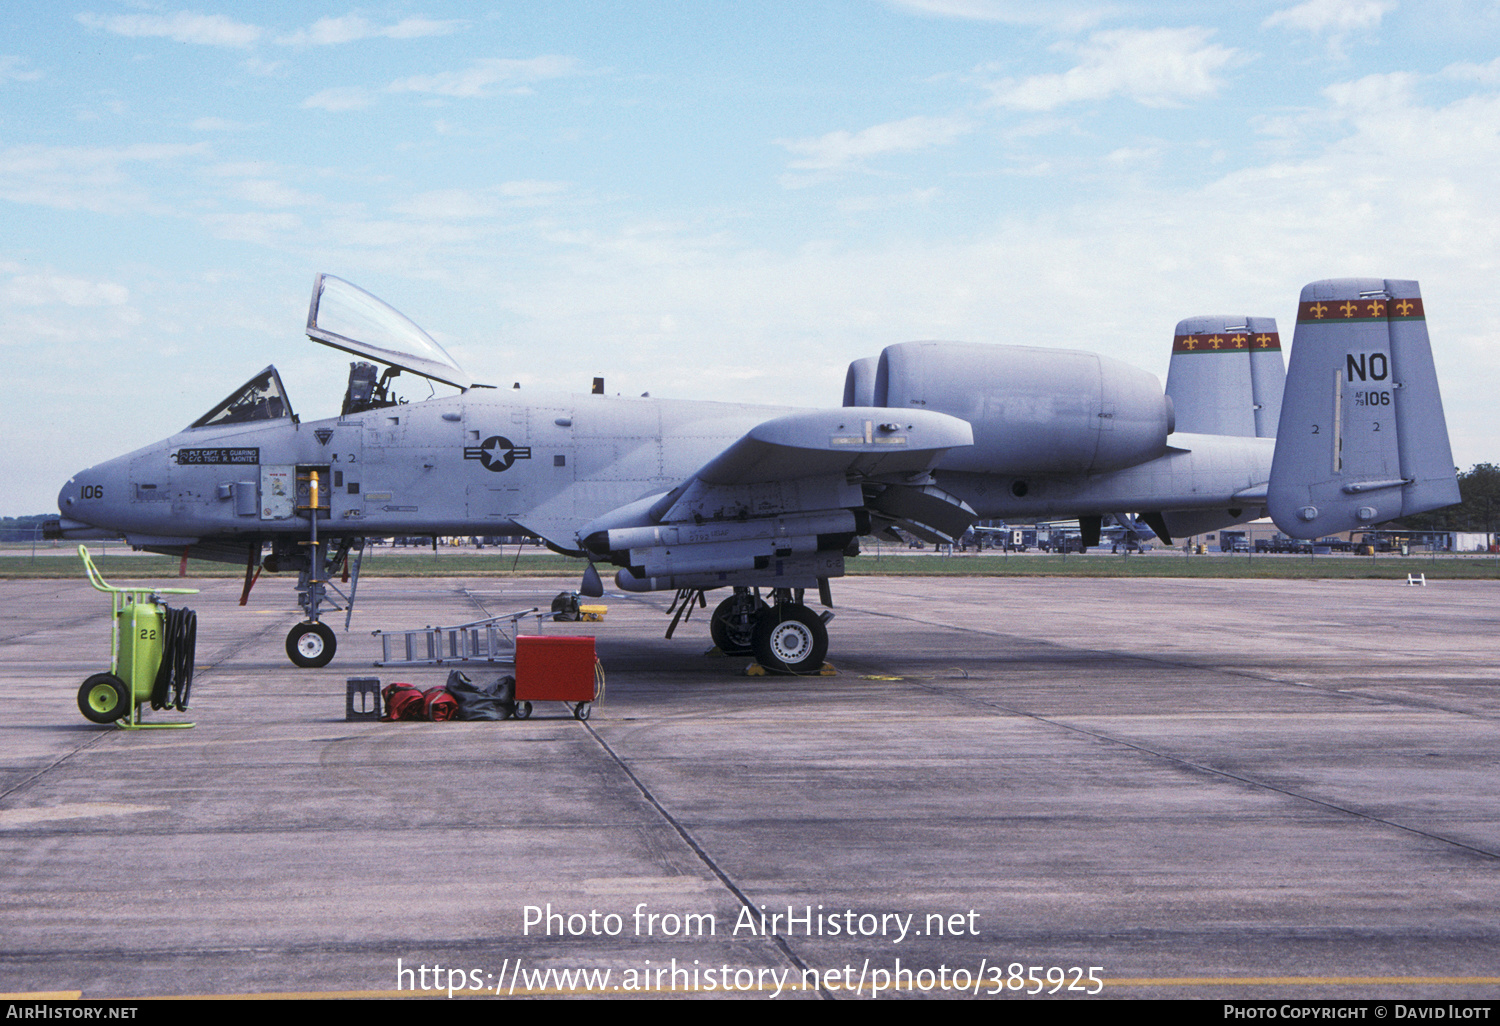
(732, 625)
(784, 635)
(312, 643)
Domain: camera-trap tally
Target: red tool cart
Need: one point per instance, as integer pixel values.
(554, 669)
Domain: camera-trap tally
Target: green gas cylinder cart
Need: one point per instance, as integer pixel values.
(144, 634)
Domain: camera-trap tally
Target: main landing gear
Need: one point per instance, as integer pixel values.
(785, 636)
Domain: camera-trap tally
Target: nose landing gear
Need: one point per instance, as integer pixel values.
(311, 644)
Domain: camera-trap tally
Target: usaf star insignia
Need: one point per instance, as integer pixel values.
(497, 453)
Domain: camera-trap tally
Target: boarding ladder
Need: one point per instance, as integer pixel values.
(492, 640)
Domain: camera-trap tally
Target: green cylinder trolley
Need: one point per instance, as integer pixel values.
(150, 655)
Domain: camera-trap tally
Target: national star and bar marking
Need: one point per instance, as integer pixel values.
(497, 453)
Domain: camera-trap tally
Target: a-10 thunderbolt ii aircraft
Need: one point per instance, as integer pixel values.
(770, 502)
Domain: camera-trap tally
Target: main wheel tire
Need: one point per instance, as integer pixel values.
(734, 636)
(523, 710)
(311, 644)
(790, 638)
(104, 698)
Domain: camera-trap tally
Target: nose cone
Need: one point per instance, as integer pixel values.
(69, 500)
(97, 496)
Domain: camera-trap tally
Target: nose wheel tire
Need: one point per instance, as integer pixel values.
(311, 644)
(790, 638)
(104, 698)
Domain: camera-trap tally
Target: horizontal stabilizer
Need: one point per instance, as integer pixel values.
(1362, 437)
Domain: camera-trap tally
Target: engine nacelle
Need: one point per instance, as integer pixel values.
(1034, 411)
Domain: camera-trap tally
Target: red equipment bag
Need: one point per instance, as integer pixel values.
(402, 702)
(439, 705)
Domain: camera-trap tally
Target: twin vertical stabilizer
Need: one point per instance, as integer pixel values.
(1226, 376)
(1362, 438)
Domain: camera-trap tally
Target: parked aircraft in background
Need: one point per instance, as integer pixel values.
(771, 502)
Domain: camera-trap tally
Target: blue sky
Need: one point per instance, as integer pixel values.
(712, 200)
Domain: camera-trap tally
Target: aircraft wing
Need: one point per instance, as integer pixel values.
(867, 442)
(780, 505)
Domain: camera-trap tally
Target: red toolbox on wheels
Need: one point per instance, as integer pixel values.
(553, 669)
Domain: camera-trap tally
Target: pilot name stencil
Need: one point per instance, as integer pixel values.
(205, 457)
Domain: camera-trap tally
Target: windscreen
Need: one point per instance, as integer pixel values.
(260, 398)
(347, 317)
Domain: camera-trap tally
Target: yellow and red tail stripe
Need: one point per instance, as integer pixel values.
(1228, 342)
(1376, 308)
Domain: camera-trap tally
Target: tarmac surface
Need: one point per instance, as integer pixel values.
(1218, 789)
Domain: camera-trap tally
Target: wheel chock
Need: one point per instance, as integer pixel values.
(757, 670)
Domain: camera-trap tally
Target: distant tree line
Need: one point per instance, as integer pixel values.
(23, 529)
(1479, 509)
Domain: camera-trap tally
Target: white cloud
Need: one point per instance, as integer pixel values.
(528, 190)
(263, 68)
(340, 98)
(1154, 67)
(1063, 15)
(1338, 19)
(353, 27)
(218, 125)
(842, 149)
(12, 70)
(264, 229)
(468, 204)
(1487, 74)
(264, 192)
(182, 27)
(1372, 93)
(51, 289)
(1318, 16)
(83, 177)
(482, 77)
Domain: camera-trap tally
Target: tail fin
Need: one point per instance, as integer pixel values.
(859, 382)
(1362, 437)
(1226, 376)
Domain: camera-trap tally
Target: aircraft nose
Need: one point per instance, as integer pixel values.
(68, 498)
(72, 500)
(91, 494)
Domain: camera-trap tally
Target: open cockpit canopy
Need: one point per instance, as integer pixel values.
(260, 398)
(347, 317)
